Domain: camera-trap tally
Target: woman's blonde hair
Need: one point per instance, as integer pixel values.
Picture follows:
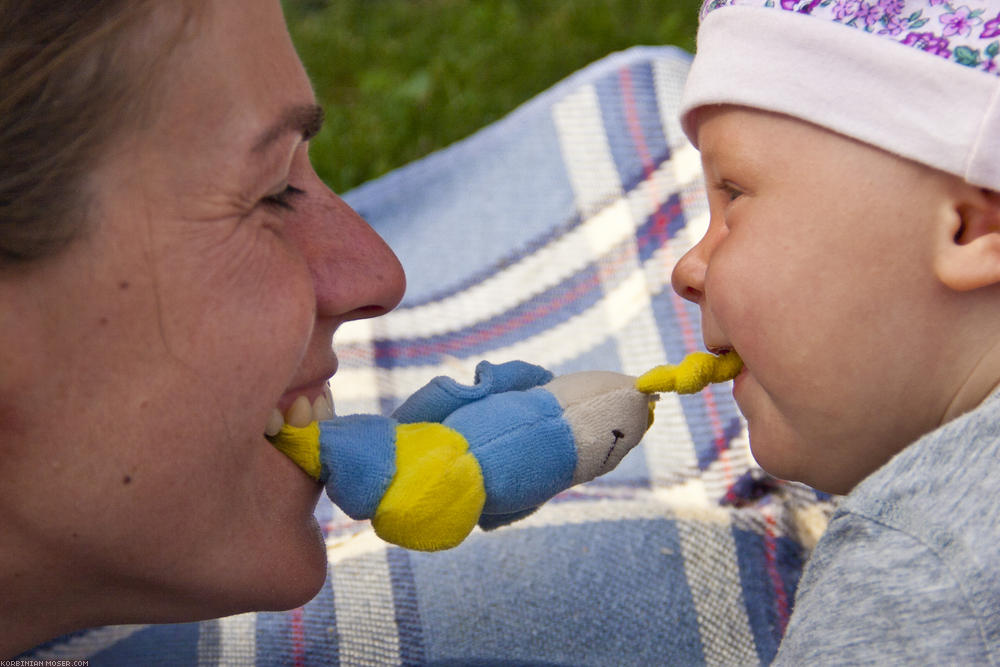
(72, 76)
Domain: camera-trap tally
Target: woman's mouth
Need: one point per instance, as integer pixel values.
(301, 407)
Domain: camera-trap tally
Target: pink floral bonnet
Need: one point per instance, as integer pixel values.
(918, 78)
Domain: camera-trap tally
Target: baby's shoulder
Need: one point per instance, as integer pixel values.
(941, 489)
(873, 592)
(910, 563)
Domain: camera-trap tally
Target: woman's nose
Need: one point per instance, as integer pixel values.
(355, 273)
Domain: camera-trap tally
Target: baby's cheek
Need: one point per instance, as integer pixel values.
(736, 308)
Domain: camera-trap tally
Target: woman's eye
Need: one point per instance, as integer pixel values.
(283, 199)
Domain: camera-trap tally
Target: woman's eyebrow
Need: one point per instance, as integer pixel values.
(306, 119)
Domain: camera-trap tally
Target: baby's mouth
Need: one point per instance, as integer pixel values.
(301, 412)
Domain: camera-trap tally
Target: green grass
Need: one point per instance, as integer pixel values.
(401, 78)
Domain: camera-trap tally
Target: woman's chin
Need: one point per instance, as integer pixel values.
(303, 561)
(302, 578)
(280, 576)
(278, 557)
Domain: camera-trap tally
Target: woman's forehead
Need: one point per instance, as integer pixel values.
(237, 85)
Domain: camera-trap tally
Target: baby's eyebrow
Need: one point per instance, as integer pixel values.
(306, 119)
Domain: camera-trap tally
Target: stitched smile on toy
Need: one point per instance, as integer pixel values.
(618, 435)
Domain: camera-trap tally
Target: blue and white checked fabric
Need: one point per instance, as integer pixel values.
(550, 237)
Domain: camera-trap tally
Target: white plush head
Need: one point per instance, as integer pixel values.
(607, 414)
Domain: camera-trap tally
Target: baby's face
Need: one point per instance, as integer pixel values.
(817, 268)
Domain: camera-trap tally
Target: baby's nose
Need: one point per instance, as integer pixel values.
(688, 276)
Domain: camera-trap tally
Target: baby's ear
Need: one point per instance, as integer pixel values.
(969, 256)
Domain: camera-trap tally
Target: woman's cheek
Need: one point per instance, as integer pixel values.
(277, 300)
(264, 265)
(245, 313)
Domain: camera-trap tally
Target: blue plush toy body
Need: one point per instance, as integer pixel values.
(454, 455)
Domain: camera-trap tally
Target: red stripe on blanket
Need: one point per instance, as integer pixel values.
(453, 345)
(458, 341)
(771, 556)
(298, 639)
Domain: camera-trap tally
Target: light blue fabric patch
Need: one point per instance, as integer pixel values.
(525, 461)
(358, 457)
(443, 395)
(483, 205)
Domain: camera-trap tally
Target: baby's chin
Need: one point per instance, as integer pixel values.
(779, 454)
(790, 461)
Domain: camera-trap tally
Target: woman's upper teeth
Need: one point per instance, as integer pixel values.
(301, 413)
(274, 423)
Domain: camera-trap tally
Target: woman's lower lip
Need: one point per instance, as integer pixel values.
(310, 485)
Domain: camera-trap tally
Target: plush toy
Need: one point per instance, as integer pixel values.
(453, 456)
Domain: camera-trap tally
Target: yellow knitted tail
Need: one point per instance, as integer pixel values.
(695, 372)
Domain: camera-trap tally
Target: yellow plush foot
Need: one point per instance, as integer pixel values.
(695, 372)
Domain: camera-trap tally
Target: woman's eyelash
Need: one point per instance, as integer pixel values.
(284, 198)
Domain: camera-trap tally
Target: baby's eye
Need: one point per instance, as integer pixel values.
(283, 199)
(731, 191)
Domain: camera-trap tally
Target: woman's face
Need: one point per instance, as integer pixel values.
(150, 355)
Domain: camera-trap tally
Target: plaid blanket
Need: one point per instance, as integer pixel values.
(549, 236)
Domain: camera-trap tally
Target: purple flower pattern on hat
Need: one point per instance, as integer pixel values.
(966, 32)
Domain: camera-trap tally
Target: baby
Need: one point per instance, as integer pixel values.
(851, 151)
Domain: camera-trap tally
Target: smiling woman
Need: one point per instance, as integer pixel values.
(173, 271)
